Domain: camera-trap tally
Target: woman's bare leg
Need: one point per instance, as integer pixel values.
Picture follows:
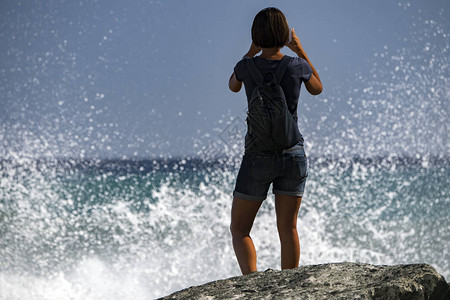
(243, 214)
(287, 208)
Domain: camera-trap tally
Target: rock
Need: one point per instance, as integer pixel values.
(328, 281)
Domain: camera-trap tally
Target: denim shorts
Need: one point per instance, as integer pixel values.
(287, 171)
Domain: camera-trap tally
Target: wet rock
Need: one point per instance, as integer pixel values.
(328, 281)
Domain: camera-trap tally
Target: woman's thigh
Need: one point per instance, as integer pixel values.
(287, 208)
(243, 213)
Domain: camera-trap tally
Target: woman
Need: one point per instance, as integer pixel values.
(287, 171)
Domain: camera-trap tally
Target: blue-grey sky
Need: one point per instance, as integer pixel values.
(149, 78)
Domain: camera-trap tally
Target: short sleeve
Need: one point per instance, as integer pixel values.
(238, 70)
(304, 69)
(307, 70)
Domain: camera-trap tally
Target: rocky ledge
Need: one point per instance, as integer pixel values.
(328, 281)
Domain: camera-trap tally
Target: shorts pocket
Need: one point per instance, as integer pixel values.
(299, 167)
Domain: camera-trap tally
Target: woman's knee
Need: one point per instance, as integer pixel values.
(238, 229)
(286, 227)
(243, 213)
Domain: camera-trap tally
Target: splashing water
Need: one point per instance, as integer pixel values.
(399, 108)
(378, 191)
(112, 231)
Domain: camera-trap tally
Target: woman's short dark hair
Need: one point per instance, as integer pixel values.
(270, 28)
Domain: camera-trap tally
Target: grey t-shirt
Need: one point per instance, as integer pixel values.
(298, 71)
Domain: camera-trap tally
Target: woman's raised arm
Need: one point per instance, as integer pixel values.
(313, 85)
(234, 84)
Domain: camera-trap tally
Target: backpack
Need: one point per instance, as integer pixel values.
(271, 126)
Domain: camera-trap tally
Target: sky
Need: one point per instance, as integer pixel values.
(142, 79)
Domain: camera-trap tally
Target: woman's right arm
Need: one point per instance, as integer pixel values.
(234, 84)
(313, 85)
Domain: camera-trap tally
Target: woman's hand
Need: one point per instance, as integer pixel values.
(295, 44)
(253, 50)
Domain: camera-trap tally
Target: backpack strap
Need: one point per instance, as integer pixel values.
(251, 66)
(281, 69)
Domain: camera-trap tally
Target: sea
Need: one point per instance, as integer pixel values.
(77, 224)
(142, 229)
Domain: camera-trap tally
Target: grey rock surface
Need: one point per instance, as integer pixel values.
(328, 281)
